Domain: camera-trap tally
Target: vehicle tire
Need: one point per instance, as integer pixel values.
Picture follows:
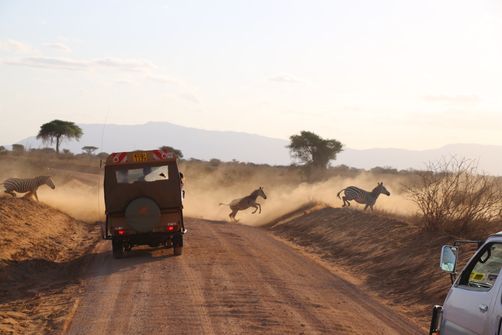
(177, 244)
(178, 250)
(118, 248)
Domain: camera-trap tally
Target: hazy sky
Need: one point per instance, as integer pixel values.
(405, 74)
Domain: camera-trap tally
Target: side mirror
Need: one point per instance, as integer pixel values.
(448, 261)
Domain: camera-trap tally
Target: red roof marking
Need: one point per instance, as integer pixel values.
(157, 155)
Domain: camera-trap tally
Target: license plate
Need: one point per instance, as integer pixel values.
(140, 157)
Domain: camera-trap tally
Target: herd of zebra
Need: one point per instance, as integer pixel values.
(30, 187)
(350, 193)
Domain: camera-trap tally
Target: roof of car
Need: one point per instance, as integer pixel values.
(140, 156)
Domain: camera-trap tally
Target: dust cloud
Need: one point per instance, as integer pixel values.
(80, 200)
(285, 192)
(80, 194)
(77, 194)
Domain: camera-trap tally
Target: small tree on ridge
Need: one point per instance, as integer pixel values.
(89, 149)
(57, 130)
(177, 152)
(313, 150)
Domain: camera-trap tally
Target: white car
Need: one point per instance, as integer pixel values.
(474, 303)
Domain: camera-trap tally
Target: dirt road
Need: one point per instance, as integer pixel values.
(232, 279)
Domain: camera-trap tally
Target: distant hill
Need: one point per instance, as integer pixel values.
(194, 143)
(229, 145)
(489, 157)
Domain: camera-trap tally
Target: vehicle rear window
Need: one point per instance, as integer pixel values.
(143, 174)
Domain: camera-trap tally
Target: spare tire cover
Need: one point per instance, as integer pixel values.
(142, 214)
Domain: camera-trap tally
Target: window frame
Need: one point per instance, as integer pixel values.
(463, 279)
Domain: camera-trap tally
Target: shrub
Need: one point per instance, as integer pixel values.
(18, 149)
(453, 196)
(214, 162)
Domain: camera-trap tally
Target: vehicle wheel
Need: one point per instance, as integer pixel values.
(118, 248)
(178, 244)
(178, 251)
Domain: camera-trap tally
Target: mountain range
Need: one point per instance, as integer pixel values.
(230, 145)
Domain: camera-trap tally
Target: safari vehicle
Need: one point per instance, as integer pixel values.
(474, 303)
(143, 200)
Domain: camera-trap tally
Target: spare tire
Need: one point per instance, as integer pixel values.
(142, 214)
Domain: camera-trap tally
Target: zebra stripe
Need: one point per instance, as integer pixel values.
(18, 185)
(361, 196)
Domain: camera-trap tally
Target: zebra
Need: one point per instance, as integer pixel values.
(246, 202)
(361, 196)
(28, 186)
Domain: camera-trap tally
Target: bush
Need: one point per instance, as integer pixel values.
(384, 170)
(214, 162)
(18, 149)
(453, 196)
(67, 154)
(103, 155)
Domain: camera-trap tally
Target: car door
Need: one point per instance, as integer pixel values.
(470, 301)
(495, 316)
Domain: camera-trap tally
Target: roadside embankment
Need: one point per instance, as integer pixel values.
(393, 259)
(41, 250)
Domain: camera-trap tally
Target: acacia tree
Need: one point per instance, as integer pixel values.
(313, 150)
(177, 152)
(57, 130)
(89, 149)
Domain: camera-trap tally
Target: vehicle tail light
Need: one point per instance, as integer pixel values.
(121, 232)
(171, 227)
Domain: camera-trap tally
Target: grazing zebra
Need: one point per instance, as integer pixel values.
(246, 202)
(361, 196)
(28, 186)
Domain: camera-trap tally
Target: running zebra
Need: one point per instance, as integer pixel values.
(28, 186)
(246, 202)
(361, 196)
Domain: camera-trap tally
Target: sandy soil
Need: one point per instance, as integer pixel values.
(41, 250)
(232, 279)
(391, 258)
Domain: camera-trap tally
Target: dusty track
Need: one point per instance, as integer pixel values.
(232, 279)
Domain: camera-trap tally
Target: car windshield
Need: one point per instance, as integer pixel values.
(143, 174)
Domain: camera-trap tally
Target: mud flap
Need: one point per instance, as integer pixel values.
(118, 248)
(178, 244)
(178, 239)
